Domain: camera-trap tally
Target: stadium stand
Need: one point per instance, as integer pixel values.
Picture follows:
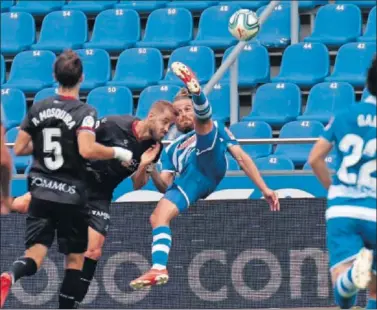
(298, 153)
(194, 6)
(2, 69)
(330, 160)
(251, 5)
(253, 66)
(37, 7)
(89, 7)
(31, 71)
(6, 4)
(276, 104)
(274, 163)
(141, 6)
(327, 99)
(370, 31)
(20, 162)
(111, 100)
(364, 4)
(253, 130)
(153, 93)
(365, 94)
(336, 25)
(201, 59)
(168, 29)
(45, 93)
(13, 102)
(352, 62)
(305, 64)
(138, 68)
(17, 32)
(232, 163)
(219, 98)
(276, 31)
(115, 30)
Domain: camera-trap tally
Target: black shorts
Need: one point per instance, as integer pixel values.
(70, 222)
(99, 215)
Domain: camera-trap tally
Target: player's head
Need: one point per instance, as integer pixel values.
(372, 78)
(183, 105)
(160, 118)
(68, 70)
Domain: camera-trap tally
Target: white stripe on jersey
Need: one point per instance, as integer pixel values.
(360, 213)
(342, 191)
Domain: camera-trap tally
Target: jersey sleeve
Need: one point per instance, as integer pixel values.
(166, 161)
(87, 120)
(329, 131)
(226, 135)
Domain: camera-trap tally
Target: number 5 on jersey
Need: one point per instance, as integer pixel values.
(52, 147)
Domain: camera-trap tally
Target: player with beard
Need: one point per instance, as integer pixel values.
(143, 138)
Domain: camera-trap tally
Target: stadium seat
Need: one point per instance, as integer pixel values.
(201, 59)
(336, 25)
(253, 130)
(274, 163)
(97, 68)
(232, 163)
(20, 162)
(276, 104)
(352, 63)
(89, 7)
(305, 64)
(31, 71)
(37, 7)
(17, 32)
(152, 94)
(298, 153)
(194, 6)
(246, 4)
(308, 5)
(327, 99)
(253, 66)
(13, 103)
(138, 68)
(45, 93)
(2, 69)
(219, 98)
(276, 30)
(364, 4)
(330, 160)
(6, 4)
(115, 30)
(168, 29)
(62, 30)
(141, 6)
(365, 95)
(213, 27)
(111, 100)
(370, 31)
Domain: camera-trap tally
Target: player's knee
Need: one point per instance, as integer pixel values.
(94, 253)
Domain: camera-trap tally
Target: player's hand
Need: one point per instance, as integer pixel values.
(122, 154)
(272, 199)
(150, 155)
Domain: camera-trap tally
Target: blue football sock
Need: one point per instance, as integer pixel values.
(202, 107)
(345, 291)
(371, 304)
(161, 247)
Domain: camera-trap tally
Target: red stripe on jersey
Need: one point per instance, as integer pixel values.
(67, 97)
(134, 129)
(86, 128)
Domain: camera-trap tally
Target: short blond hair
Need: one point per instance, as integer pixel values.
(182, 94)
(161, 106)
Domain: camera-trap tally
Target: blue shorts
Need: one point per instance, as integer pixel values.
(351, 227)
(200, 178)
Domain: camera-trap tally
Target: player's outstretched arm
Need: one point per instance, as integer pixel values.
(317, 160)
(251, 170)
(162, 180)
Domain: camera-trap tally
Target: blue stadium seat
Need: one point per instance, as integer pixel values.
(111, 100)
(37, 7)
(305, 64)
(213, 27)
(201, 59)
(253, 130)
(253, 66)
(152, 94)
(168, 29)
(331, 161)
(90, 7)
(138, 68)
(327, 99)
(141, 6)
(370, 31)
(274, 163)
(220, 101)
(195, 6)
(45, 93)
(31, 71)
(298, 153)
(276, 30)
(62, 30)
(365, 95)
(352, 63)
(364, 4)
(276, 104)
(232, 163)
(5, 5)
(246, 4)
(115, 30)
(307, 5)
(336, 25)
(13, 102)
(2, 69)
(17, 32)
(20, 162)
(97, 68)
